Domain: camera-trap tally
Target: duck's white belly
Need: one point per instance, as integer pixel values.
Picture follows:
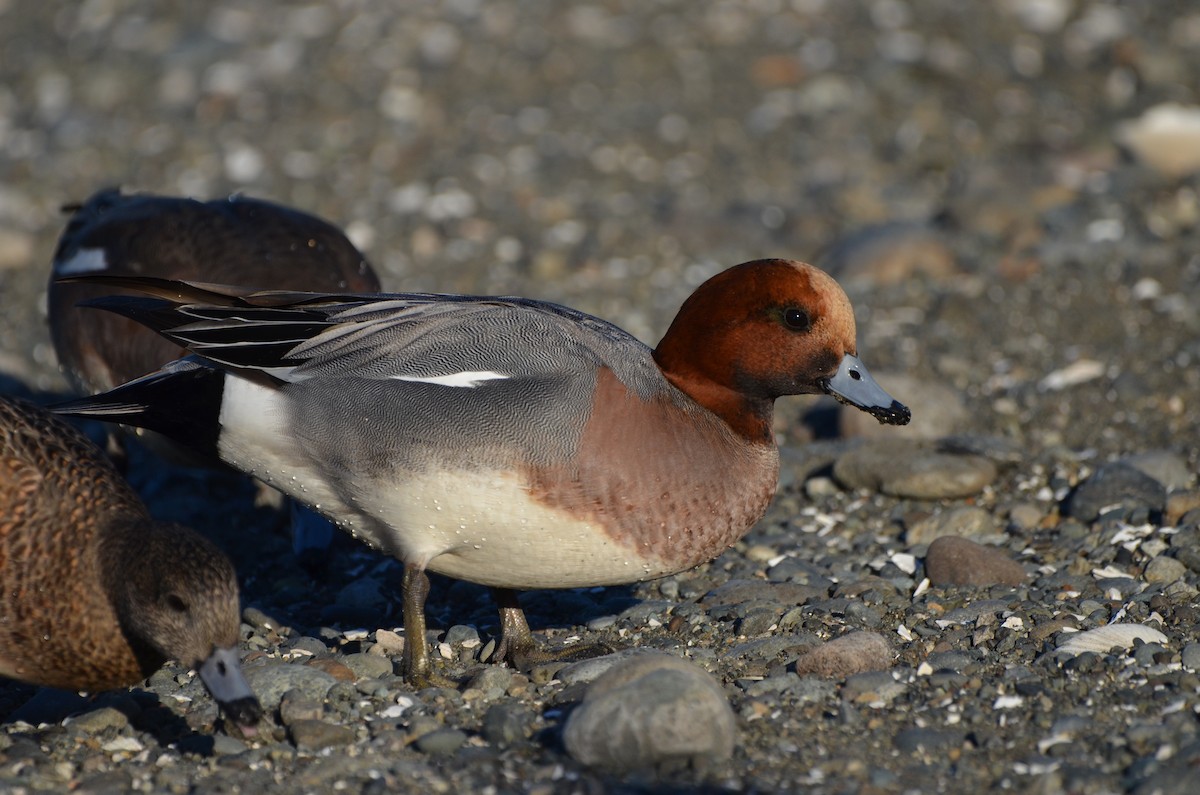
(480, 525)
(485, 527)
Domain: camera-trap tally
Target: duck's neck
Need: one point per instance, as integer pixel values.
(126, 570)
(749, 417)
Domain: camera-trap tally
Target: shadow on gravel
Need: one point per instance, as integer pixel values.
(141, 709)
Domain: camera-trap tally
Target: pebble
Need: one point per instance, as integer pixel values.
(872, 687)
(272, 680)
(1180, 504)
(224, 745)
(1115, 485)
(960, 561)
(1102, 639)
(492, 680)
(296, 706)
(460, 634)
(820, 486)
(1163, 570)
(1000, 451)
(387, 643)
(925, 741)
(313, 735)
(591, 669)
(99, 720)
(652, 711)
(260, 620)
(505, 724)
(1166, 138)
(853, 653)
(1190, 656)
(16, 248)
(965, 522)
(335, 668)
(1025, 516)
(441, 742)
(1166, 466)
(367, 666)
(905, 468)
(958, 662)
(736, 592)
(314, 646)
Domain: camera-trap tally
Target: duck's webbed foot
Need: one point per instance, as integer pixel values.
(517, 646)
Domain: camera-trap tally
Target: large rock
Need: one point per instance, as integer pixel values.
(652, 711)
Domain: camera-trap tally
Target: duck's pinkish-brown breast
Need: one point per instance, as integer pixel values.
(664, 478)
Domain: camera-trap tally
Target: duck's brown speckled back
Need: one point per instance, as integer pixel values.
(93, 593)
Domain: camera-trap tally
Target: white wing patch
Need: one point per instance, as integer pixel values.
(85, 260)
(469, 379)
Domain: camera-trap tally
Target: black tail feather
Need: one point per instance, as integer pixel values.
(182, 402)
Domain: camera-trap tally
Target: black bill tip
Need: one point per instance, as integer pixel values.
(854, 386)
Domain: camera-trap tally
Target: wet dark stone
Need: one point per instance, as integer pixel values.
(1116, 485)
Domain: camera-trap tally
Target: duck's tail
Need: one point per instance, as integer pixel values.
(181, 401)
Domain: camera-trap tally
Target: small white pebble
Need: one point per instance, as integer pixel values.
(123, 745)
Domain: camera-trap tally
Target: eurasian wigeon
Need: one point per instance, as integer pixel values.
(505, 441)
(94, 594)
(233, 241)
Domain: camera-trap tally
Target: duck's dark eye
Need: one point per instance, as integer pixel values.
(796, 319)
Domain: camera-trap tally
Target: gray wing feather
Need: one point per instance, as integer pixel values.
(398, 338)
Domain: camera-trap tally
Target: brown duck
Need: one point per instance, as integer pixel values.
(94, 594)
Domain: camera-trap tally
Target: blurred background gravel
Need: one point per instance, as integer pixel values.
(1019, 238)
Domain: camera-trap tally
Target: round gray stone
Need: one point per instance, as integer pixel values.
(1167, 467)
(1025, 516)
(911, 469)
(441, 742)
(652, 711)
(368, 666)
(271, 680)
(1163, 570)
(1191, 656)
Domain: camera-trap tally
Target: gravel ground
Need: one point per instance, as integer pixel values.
(1028, 287)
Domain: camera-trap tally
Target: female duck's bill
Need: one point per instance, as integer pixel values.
(222, 675)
